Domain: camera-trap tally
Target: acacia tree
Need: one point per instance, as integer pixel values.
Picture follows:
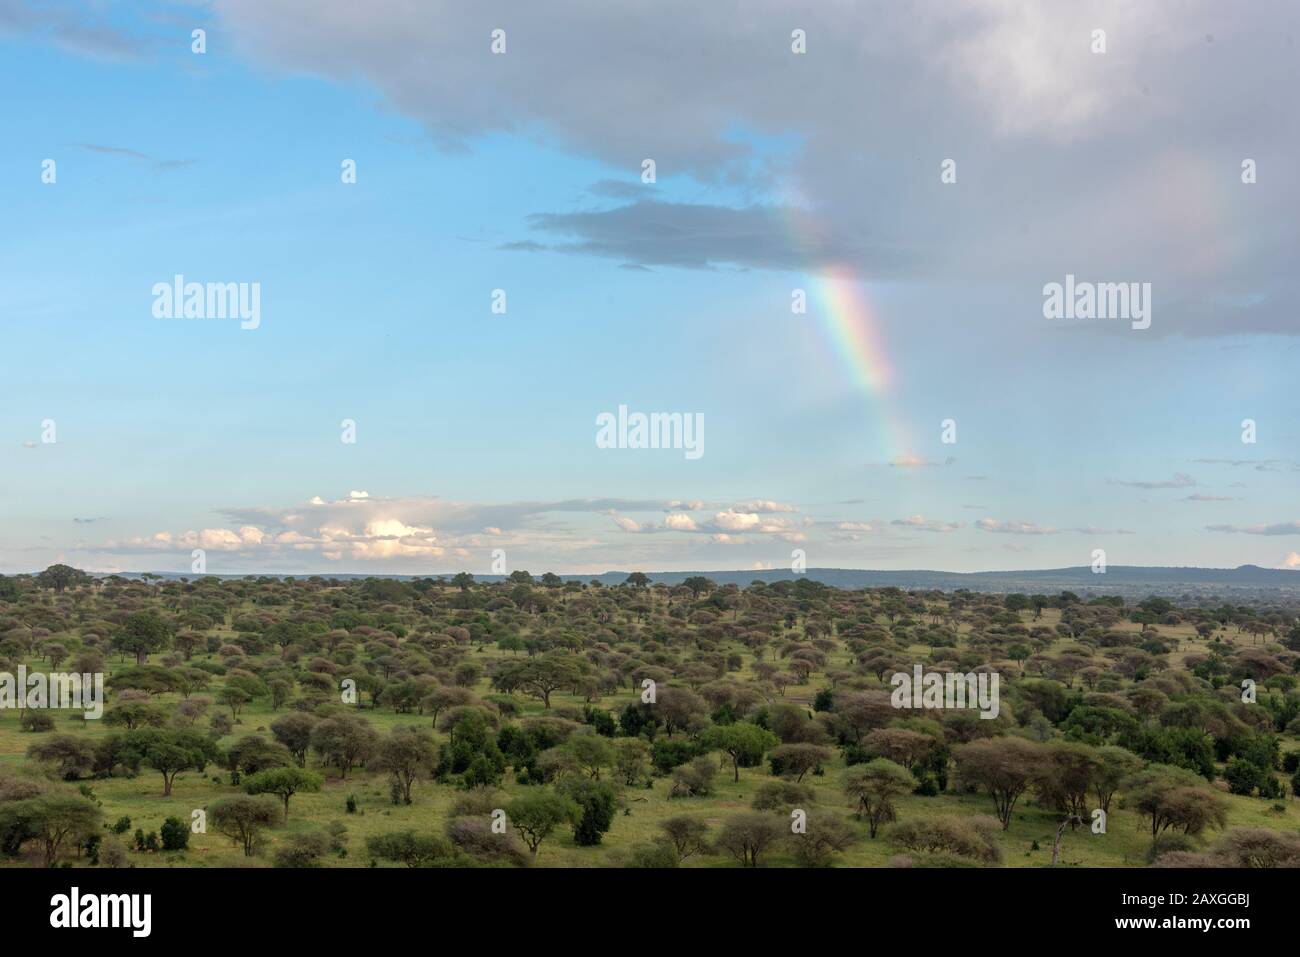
(444, 697)
(747, 836)
(404, 754)
(135, 714)
(1114, 766)
(59, 577)
(170, 751)
(142, 634)
(409, 848)
(678, 708)
(284, 783)
(69, 755)
(242, 819)
(1064, 777)
(234, 698)
(798, 759)
(294, 732)
(591, 752)
(901, 745)
(741, 741)
(49, 819)
(1003, 767)
(874, 786)
(631, 760)
(824, 833)
(253, 753)
(541, 676)
(344, 741)
(538, 812)
(687, 835)
(1175, 798)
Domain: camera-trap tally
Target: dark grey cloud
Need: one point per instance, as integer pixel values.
(697, 236)
(113, 150)
(158, 165)
(1029, 114)
(80, 28)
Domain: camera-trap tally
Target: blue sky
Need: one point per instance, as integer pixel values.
(476, 431)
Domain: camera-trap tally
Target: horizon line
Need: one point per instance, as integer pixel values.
(715, 571)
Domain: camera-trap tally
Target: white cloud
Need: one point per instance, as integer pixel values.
(763, 505)
(627, 524)
(923, 524)
(1276, 528)
(1014, 528)
(736, 521)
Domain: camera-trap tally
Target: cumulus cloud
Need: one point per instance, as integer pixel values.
(209, 539)
(409, 532)
(736, 521)
(627, 524)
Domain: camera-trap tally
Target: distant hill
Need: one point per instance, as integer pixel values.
(1073, 578)
(1117, 579)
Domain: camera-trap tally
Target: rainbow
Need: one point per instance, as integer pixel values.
(852, 331)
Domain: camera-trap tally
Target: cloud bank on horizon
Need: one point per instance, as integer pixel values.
(838, 266)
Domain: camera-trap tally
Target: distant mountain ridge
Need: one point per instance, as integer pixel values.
(1081, 578)
(1081, 575)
